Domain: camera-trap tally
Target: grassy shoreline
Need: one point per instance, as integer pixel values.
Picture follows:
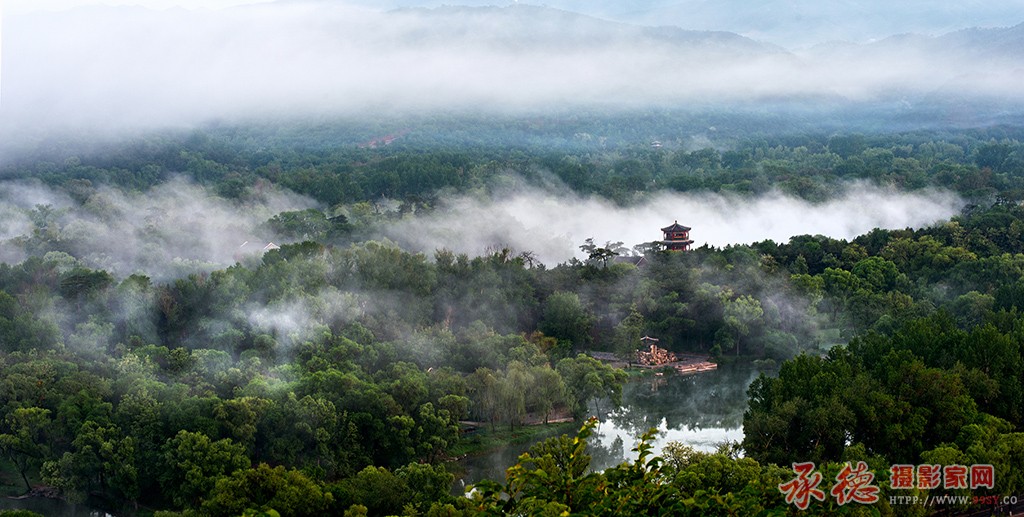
(485, 440)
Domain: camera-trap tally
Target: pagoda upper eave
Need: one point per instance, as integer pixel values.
(676, 227)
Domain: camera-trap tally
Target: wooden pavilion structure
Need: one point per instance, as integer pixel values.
(677, 237)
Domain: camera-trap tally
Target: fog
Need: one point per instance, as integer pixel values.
(553, 225)
(174, 229)
(293, 320)
(179, 228)
(791, 23)
(105, 68)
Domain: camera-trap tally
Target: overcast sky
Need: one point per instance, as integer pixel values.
(22, 6)
(790, 23)
(106, 67)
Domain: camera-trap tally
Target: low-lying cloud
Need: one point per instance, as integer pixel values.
(295, 319)
(102, 67)
(171, 230)
(554, 225)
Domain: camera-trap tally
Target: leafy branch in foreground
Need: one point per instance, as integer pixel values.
(554, 479)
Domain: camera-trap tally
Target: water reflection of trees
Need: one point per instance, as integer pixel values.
(602, 457)
(715, 399)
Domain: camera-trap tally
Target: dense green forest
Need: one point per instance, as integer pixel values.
(413, 160)
(329, 375)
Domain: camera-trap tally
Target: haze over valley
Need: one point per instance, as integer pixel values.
(73, 68)
(316, 257)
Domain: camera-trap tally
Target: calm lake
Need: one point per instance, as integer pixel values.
(699, 410)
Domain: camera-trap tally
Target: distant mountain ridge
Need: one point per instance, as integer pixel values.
(531, 26)
(793, 24)
(540, 25)
(1008, 42)
(300, 56)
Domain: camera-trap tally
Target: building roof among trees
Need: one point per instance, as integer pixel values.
(636, 260)
(676, 227)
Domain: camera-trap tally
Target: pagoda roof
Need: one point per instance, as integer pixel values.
(676, 227)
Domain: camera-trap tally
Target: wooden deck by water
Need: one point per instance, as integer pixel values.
(686, 363)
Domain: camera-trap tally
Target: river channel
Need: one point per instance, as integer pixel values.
(700, 410)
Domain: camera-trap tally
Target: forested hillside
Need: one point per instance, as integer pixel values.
(328, 373)
(617, 157)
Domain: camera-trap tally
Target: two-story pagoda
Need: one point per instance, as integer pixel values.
(677, 237)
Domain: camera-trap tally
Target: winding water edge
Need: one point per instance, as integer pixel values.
(700, 410)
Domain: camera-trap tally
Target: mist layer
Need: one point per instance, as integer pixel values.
(554, 225)
(131, 67)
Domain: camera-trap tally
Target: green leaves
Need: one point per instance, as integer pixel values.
(588, 379)
(102, 459)
(26, 445)
(565, 317)
(550, 479)
(265, 488)
(554, 479)
(193, 464)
